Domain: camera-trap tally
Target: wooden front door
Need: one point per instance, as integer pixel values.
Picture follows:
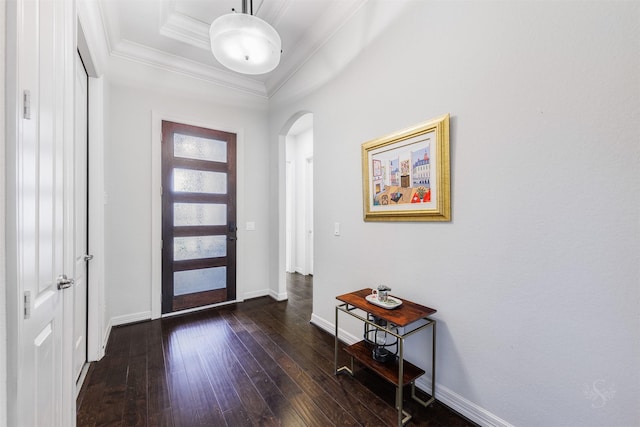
(198, 216)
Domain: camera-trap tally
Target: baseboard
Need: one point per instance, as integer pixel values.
(444, 395)
(322, 324)
(105, 338)
(282, 296)
(345, 336)
(256, 294)
(130, 318)
(462, 406)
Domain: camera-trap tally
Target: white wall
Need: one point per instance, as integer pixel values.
(128, 181)
(536, 279)
(3, 312)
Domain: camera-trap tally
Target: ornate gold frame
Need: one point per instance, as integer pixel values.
(434, 134)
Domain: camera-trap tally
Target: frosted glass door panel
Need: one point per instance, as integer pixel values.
(197, 181)
(185, 214)
(192, 281)
(198, 247)
(193, 147)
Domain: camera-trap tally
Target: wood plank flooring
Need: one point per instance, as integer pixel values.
(257, 363)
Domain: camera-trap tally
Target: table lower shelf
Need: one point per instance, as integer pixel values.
(361, 351)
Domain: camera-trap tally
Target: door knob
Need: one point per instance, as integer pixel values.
(64, 282)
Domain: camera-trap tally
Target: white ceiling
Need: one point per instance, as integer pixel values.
(174, 34)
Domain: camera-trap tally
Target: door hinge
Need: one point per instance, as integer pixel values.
(27, 304)
(26, 104)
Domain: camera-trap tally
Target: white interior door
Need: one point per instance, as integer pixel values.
(80, 287)
(37, 67)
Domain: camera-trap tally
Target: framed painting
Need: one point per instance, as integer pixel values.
(406, 175)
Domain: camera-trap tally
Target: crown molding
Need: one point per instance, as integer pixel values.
(176, 64)
(110, 24)
(181, 27)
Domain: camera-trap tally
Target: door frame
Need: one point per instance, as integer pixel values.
(81, 229)
(97, 328)
(156, 205)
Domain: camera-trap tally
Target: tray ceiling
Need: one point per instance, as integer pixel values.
(174, 34)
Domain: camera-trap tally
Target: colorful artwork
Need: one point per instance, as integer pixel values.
(409, 184)
(406, 175)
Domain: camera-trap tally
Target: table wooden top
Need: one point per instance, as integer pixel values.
(403, 315)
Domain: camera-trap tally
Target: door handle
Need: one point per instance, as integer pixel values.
(88, 257)
(232, 238)
(64, 282)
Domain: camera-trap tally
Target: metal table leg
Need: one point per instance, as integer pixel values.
(403, 416)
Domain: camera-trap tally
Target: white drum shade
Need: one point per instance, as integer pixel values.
(245, 43)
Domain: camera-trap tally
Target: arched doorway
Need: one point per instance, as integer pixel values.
(296, 234)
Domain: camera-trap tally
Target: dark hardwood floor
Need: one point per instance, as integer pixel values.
(256, 363)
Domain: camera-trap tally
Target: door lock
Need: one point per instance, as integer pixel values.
(64, 282)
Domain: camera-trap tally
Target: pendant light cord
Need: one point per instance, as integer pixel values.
(250, 6)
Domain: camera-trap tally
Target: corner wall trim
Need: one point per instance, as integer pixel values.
(281, 296)
(105, 338)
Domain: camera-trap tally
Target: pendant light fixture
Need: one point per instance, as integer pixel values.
(245, 43)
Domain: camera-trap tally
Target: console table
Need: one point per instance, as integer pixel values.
(398, 372)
